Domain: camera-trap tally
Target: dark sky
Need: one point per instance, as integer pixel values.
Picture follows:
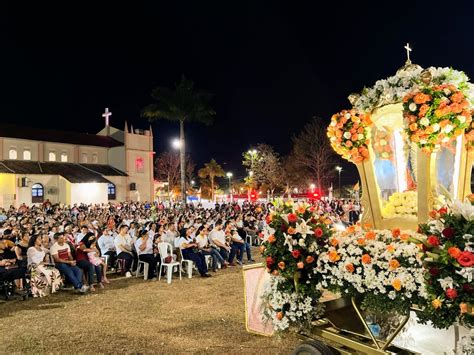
(272, 66)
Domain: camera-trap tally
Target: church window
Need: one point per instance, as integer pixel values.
(26, 154)
(12, 154)
(111, 193)
(84, 157)
(139, 165)
(37, 193)
(64, 157)
(95, 158)
(52, 156)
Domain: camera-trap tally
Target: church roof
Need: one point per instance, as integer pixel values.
(50, 135)
(75, 173)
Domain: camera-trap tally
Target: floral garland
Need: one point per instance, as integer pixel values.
(401, 204)
(393, 89)
(381, 267)
(291, 245)
(436, 115)
(349, 135)
(382, 144)
(449, 259)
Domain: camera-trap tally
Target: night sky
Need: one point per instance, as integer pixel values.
(271, 66)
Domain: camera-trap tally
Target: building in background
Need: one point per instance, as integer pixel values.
(70, 167)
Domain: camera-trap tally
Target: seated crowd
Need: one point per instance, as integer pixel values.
(41, 247)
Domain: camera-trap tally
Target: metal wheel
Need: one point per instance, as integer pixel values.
(313, 348)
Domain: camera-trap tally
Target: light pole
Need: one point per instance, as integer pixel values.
(179, 144)
(252, 153)
(339, 169)
(229, 176)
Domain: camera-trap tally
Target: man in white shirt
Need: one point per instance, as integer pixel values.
(106, 245)
(217, 237)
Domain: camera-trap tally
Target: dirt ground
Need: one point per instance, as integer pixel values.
(195, 315)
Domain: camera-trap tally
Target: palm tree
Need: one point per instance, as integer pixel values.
(211, 170)
(183, 104)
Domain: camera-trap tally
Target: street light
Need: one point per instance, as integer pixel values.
(312, 187)
(339, 169)
(192, 182)
(229, 176)
(176, 143)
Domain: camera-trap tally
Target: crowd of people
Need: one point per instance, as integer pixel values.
(44, 246)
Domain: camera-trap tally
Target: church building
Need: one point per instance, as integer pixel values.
(71, 167)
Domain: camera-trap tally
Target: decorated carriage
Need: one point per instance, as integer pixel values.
(411, 258)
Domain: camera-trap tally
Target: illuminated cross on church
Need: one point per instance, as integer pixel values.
(407, 47)
(106, 114)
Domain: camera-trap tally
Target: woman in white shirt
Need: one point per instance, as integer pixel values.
(206, 249)
(44, 278)
(190, 250)
(107, 247)
(144, 248)
(123, 246)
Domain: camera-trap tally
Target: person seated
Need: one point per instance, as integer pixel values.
(106, 245)
(9, 268)
(64, 262)
(45, 278)
(190, 250)
(87, 245)
(144, 248)
(207, 249)
(96, 260)
(217, 238)
(123, 247)
(238, 245)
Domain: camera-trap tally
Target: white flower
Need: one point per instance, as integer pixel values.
(288, 241)
(347, 135)
(360, 136)
(446, 283)
(301, 242)
(412, 107)
(466, 210)
(448, 128)
(424, 121)
(303, 229)
(435, 127)
(461, 118)
(347, 115)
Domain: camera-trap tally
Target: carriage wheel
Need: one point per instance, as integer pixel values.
(313, 348)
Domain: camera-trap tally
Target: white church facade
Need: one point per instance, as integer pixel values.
(71, 168)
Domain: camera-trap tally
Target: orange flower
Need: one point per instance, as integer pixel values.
(421, 98)
(281, 265)
(390, 248)
(350, 229)
(433, 214)
(262, 249)
(350, 268)
(279, 315)
(366, 259)
(413, 127)
(394, 264)
(436, 303)
(370, 235)
(404, 237)
(397, 284)
(396, 232)
(454, 252)
(300, 265)
(291, 230)
(309, 259)
(271, 239)
(367, 226)
(361, 241)
(463, 308)
(334, 256)
(348, 144)
(423, 109)
(457, 97)
(301, 209)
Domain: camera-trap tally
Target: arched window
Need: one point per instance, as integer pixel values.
(26, 154)
(37, 193)
(64, 157)
(95, 158)
(84, 157)
(111, 191)
(12, 153)
(52, 156)
(139, 165)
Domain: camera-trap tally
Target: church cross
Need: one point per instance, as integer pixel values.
(407, 47)
(106, 114)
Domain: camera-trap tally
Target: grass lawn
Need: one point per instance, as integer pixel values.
(195, 315)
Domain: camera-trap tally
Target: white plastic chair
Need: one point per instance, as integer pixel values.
(145, 269)
(189, 264)
(249, 239)
(165, 249)
(208, 259)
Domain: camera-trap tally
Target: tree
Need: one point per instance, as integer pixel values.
(183, 104)
(312, 156)
(266, 167)
(210, 171)
(167, 168)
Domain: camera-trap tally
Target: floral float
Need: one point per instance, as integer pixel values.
(382, 144)
(401, 204)
(349, 135)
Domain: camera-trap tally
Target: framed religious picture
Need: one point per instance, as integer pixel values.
(255, 277)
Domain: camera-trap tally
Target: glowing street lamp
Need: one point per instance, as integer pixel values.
(312, 187)
(229, 176)
(175, 143)
(339, 169)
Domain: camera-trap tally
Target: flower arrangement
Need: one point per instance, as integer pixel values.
(349, 135)
(393, 89)
(383, 144)
(381, 267)
(401, 204)
(294, 237)
(449, 261)
(436, 115)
